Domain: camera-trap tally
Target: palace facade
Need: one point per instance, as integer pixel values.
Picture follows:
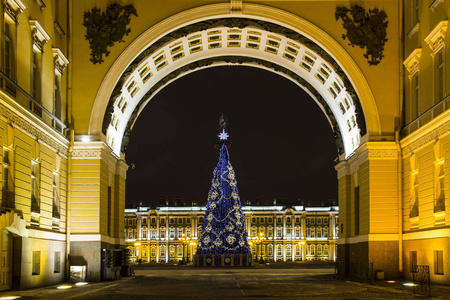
(275, 233)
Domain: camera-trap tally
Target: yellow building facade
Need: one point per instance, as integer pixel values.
(275, 233)
(69, 101)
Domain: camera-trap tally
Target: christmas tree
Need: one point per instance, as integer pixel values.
(224, 225)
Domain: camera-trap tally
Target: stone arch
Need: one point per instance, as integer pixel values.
(260, 36)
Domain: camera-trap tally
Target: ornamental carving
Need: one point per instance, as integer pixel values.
(365, 30)
(103, 29)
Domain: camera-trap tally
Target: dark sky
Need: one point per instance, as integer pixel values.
(281, 143)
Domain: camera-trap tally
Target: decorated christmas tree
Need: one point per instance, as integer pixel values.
(223, 230)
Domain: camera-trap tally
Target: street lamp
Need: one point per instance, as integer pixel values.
(185, 241)
(258, 240)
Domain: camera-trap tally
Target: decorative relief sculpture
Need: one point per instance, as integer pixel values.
(365, 29)
(105, 28)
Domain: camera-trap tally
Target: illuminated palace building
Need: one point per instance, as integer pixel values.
(276, 233)
(70, 93)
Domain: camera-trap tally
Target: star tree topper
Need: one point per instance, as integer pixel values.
(223, 135)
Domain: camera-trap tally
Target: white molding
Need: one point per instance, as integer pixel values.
(40, 36)
(435, 4)
(373, 237)
(96, 238)
(47, 235)
(412, 63)
(436, 38)
(61, 60)
(433, 233)
(414, 30)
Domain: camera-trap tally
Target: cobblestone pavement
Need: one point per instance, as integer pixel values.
(273, 281)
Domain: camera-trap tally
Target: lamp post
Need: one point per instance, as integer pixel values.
(185, 241)
(258, 240)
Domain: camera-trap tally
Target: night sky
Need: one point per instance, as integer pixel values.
(282, 145)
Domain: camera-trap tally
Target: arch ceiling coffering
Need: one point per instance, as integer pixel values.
(236, 41)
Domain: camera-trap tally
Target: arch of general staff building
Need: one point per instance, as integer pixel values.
(275, 40)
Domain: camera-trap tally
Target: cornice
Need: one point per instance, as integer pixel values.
(426, 134)
(436, 38)
(412, 63)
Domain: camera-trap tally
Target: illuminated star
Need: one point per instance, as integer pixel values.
(223, 135)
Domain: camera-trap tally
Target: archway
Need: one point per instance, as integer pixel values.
(200, 38)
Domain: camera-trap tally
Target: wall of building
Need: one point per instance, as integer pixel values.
(287, 234)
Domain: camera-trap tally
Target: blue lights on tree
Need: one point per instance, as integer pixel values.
(224, 224)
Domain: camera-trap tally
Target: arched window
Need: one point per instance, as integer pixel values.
(308, 250)
(319, 232)
(319, 250)
(270, 232)
(279, 250)
(153, 251)
(288, 250)
(162, 251)
(325, 250)
(270, 250)
(162, 233)
(180, 250)
(171, 232)
(262, 230)
(313, 250)
(253, 231)
(180, 232)
(325, 232)
(188, 232)
(144, 233)
(172, 251)
(298, 250)
(297, 231)
(279, 232)
(312, 232)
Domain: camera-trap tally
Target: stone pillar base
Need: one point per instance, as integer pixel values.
(223, 260)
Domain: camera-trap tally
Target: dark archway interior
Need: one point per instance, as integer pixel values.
(282, 145)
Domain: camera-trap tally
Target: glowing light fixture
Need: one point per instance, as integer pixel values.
(409, 284)
(85, 138)
(10, 297)
(81, 283)
(391, 281)
(64, 287)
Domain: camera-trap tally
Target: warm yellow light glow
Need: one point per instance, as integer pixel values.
(391, 281)
(10, 297)
(409, 284)
(64, 287)
(137, 244)
(81, 283)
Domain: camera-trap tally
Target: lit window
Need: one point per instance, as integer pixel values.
(439, 262)
(440, 75)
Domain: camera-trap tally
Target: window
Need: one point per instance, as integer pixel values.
(188, 220)
(172, 251)
(130, 222)
(200, 220)
(319, 232)
(36, 263)
(162, 221)
(270, 250)
(261, 220)
(130, 234)
(325, 232)
(144, 233)
(414, 97)
(57, 266)
(413, 257)
(144, 221)
(288, 219)
(162, 233)
(325, 250)
(279, 220)
(313, 232)
(298, 251)
(55, 186)
(439, 177)
(279, 232)
(180, 232)
(171, 233)
(253, 231)
(319, 220)
(172, 221)
(288, 250)
(279, 250)
(8, 182)
(297, 220)
(162, 251)
(35, 168)
(180, 250)
(414, 12)
(36, 76)
(297, 232)
(8, 46)
(313, 250)
(439, 262)
(313, 220)
(188, 233)
(270, 220)
(270, 232)
(440, 71)
(153, 251)
(180, 220)
(57, 98)
(319, 250)
(153, 234)
(253, 220)
(153, 221)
